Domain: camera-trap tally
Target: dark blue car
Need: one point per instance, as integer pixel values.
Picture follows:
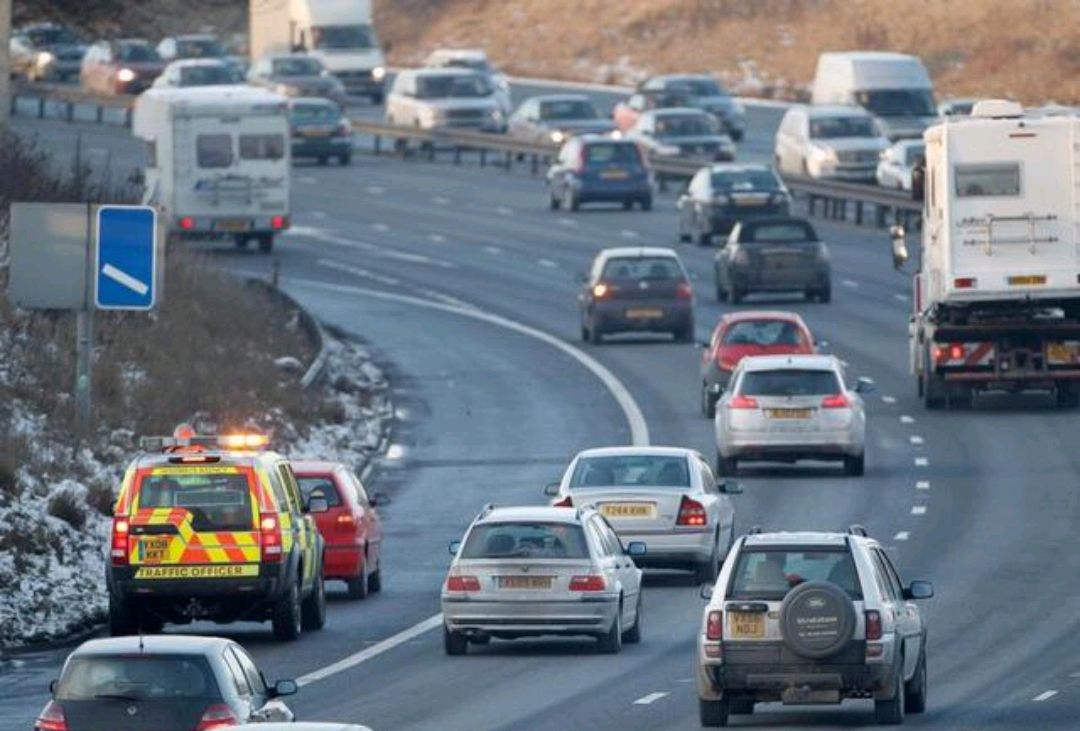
(595, 169)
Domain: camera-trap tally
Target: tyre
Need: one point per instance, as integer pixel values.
(358, 585)
(596, 335)
(714, 713)
(610, 643)
(553, 202)
(684, 237)
(735, 294)
(891, 712)
(584, 333)
(742, 708)
(727, 466)
(454, 643)
(704, 238)
(685, 334)
(123, 619)
(374, 581)
(632, 636)
(628, 204)
(344, 160)
(313, 608)
(377, 97)
(266, 243)
(824, 296)
(286, 615)
(915, 689)
(708, 403)
(1068, 397)
(241, 241)
(855, 466)
(705, 573)
(322, 159)
(933, 392)
(646, 203)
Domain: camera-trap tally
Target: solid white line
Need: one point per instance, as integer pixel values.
(332, 238)
(650, 698)
(900, 297)
(504, 211)
(905, 419)
(547, 263)
(374, 651)
(889, 399)
(747, 101)
(359, 272)
(440, 201)
(918, 510)
(121, 277)
(1045, 696)
(922, 485)
(916, 439)
(376, 189)
(921, 462)
(902, 536)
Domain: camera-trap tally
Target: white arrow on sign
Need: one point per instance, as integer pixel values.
(121, 277)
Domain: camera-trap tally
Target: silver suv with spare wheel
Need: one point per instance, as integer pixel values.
(811, 619)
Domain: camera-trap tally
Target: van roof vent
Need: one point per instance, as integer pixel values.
(996, 109)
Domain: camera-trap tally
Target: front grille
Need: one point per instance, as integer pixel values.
(347, 76)
(700, 149)
(465, 115)
(857, 156)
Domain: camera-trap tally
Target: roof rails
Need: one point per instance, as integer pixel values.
(857, 530)
(754, 531)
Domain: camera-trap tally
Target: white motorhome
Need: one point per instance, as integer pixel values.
(337, 32)
(997, 294)
(894, 87)
(219, 162)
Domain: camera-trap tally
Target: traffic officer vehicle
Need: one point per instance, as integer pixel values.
(811, 618)
(533, 571)
(718, 196)
(214, 528)
(180, 683)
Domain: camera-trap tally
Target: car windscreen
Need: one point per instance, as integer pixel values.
(199, 48)
(473, 64)
(297, 67)
(643, 267)
(623, 154)
(631, 470)
(137, 53)
(685, 125)
(776, 232)
(789, 382)
(216, 501)
(696, 87)
(898, 102)
(319, 486)
(567, 109)
(913, 153)
(342, 37)
(462, 86)
(525, 540)
(51, 36)
(763, 333)
(744, 180)
(826, 128)
(769, 574)
(137, 677)
(324, 113)
(206, 76)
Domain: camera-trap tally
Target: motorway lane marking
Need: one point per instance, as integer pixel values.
(1044, 696)
(922, 485)
(319, 215)
(900, 297)
(567, 222)
(922, 462)
(359, 272)
(905, 419)
(440, 201)
(918, 510)
(628, 234)
(916, 439)
(380, 227)
(902, 536)
(888, 399)
(376, 189)
(437, 238)
(850, 283)
(493, 250)
(546, 263)
(649, 699)
(307, 180)
(331, 238)
(504, 211)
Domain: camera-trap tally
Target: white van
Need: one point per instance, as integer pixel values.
(894, 87)
(218, 162)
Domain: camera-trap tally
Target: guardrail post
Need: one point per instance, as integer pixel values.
(100, 115)
(378, 145)
(431, 151)
(69, 112)
(457, 154)
(509, 160)
(41, 107)
(534, 166)
(881, 214)
(483, 157)
(858, 213)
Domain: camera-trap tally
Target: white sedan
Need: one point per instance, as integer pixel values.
(897, 162)
(666, 497)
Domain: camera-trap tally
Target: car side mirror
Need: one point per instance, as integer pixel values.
(704, 344)
(864, 385)
(317, 504)
(52, 686)
(730, 487)
(378, 498)
(551, 489)
(919, 590)
(284, 688)
(900, 254)
(706, 591)
(636, 549)
(918, 181)
(454, 547)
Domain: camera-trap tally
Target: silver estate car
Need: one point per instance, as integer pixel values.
(533, 571)
(666, 496)
(783, 408)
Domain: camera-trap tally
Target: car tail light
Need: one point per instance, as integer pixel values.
(873, 624)
(714, 627)
(342, 130)
(601, 290)
(462, 583)
(346, 521)
(279, 222)
(836, 401)
(120, 531)
(726, 362)
(187, 223)
(566, 502)
(691, 512)
(742, 402)
(51, 718)
(218, 715)
(588, 582)
(270, 538)
(684, 291)
(945, 353)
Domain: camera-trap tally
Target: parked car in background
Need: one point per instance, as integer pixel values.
(556, 118)
(705, 93)
(127, 66)
(720, 195)
(829, 142)
(625, 113)
(896, 163)
(197, 72)
(46, 52)
(956, 107)
(781, 254)
(444, 98)
(320, 130)
(636, 289)
(681, 132)
(296, 75)
(193, 46)
(748, 333)
(599, 169)
(351, 527)
(474, 59)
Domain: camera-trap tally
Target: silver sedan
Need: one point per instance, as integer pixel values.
(786, 408)
(666, 496)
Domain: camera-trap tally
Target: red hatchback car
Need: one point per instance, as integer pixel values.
(747, 333)
(351, 528)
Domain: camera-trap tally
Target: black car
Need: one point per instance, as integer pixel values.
(718, 196)
(320, 130)
(703, 92)
(592, 168)
(782, 254)
(179, 683)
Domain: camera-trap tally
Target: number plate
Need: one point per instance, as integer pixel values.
(1062, 353)
(747, 625)
(314, 133)
(788, 413)
(1027, 280)
(524, 582)
(644, 314)
(627, 510)
(614, 174)
(233, 224)
(153, 550)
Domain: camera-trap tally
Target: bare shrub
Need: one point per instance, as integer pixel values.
(68, 507)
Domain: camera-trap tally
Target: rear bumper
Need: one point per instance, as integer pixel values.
(360, 82)
(672, 549)
(610, 192)
(790, 445)
(531, 618)
(612, 316)
(781, 280)
(239, 225)
(343, 562)
(722, 219)
(304, 147)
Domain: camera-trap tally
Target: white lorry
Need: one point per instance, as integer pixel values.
(337, 32)
(218, 162)
(997, 291)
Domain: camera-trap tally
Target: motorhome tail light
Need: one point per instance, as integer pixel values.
(279, 222)
(462, 583)
(120, 532)
(742, 402)
(873, 625)
(964, 283)
(187, 223)
(691, 512)
(714, 627)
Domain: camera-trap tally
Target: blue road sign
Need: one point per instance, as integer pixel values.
(126, 258)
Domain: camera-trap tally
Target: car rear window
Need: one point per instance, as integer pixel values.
(643, 267)
(567, 109)
(769, 574)
(789, 382)
(777, 232)
(631, 470)
(206, 75)
(685, 125)
(217, 502)
(763, 332)
(321, 486)
(612, 153)
(743, 180)
(137, 53)
(137, 677)
(526, 540)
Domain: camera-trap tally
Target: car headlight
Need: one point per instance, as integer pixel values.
(45, 58)
(496, 115)
(667, 150)
(558, 137)
(823, 154)
(125, 75)
(616, 134)
(378, 73)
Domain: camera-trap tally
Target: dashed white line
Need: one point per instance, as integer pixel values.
(504, 211)
(567, 222)
(1044, 696)
(546, 263)
(918, 510)
(922, 462)
(440, 201)
(628, 234)
(376, 189)
(916, 439)
(888, 399)
(649, 699)
(380, 227)
(493, 249)
(905, 419)
(902, 536)
(318, 215)
(922, 485)
(437, 238)
(900, 297)
(306, 180)
(850, 283)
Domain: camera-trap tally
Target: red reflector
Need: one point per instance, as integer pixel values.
(462, 583)
(836, 401)
(714, 629)
(187, 223)
(742, 402)
(278, 222)
(51, 718)
(119, 550)
(691, 512)
(873, 625)
(591, 582)
(218, 715)
(964, 282)
(566, 502)
(684, 291)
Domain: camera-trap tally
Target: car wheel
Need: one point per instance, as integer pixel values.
(727, 466)
(313, 610)
(705, 573)
(344, 160)
(735, 294)
(714, 713)
(628, 204)
(377, 98)
(891, 712)
(596, 334)
(646, 204)
(374, 581)
(553, 202)
(915, 689)
(123, 619)
(241, 241)
(358, 585)
(286, 615)
(708, 403)
(611, 642)
(685, 334)
(742, 708)
(632, 636)
(454, 643)
(704, 238)
(266, 243)
(933, 387)
(855, 466)
(824, 296)
(322, 159)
